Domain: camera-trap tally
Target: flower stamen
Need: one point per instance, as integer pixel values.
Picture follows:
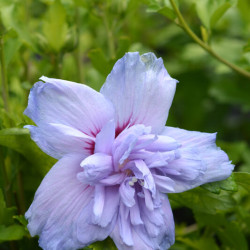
(120, 166)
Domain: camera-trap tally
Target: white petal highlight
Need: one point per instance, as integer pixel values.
(104, 139)
(141, 90)
(68, 104)
(57, 206)
(95, 168)
(127, 193)
(57, 140)
(201, 160)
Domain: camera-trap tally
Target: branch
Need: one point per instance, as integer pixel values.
(205, 46)
(5, 94)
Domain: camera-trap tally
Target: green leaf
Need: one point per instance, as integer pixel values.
(21, 219)
(19, 140)
(230, 92)
(243, 180)
(229, 232)
(11, 46)
(13, 232)
(201, 200)
(218, 13)
(244, 6)
(55, 26)
(203, 243)
(216, 187)
(212, 220)
(107, 244)
(100, 62)
(123, 46)
(232, 236)
(210, 11)
(6, 119)
(167, 12)
(71, 40)
(204, 10)
(6, 214)
(4, 3)
(10, 16)
(246, 48)
(156, 7)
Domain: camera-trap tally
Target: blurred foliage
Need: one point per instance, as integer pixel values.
(80, 41)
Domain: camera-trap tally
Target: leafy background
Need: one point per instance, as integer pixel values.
(80, 41)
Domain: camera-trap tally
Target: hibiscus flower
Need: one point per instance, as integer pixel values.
(117, 161)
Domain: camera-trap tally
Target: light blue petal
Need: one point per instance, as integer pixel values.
(110, 212)
(126, 142)
(141, 90)
(95, 168)
(57, 140)
(99, 201)
(113, 179)
(201, 160)
(142, 172)
(127, 193)
(104, 139)
(164, 183)
(163, 143)
(67, 104)
(148, 199)
(135, 216)
(89, 232)
(139, 243)
(125, 226)
(158, 230)
(57, 205)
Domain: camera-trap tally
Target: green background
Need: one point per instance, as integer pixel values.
(80, 41)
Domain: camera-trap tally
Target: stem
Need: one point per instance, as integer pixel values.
(7, 193)
(13, 245)
(56, 61)
(205, 46)
(6, 184)
(5, 94)
(77, 52)
(21, 198)
(110, 36)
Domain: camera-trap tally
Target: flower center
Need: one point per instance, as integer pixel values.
(133, 157)
(120, 166)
